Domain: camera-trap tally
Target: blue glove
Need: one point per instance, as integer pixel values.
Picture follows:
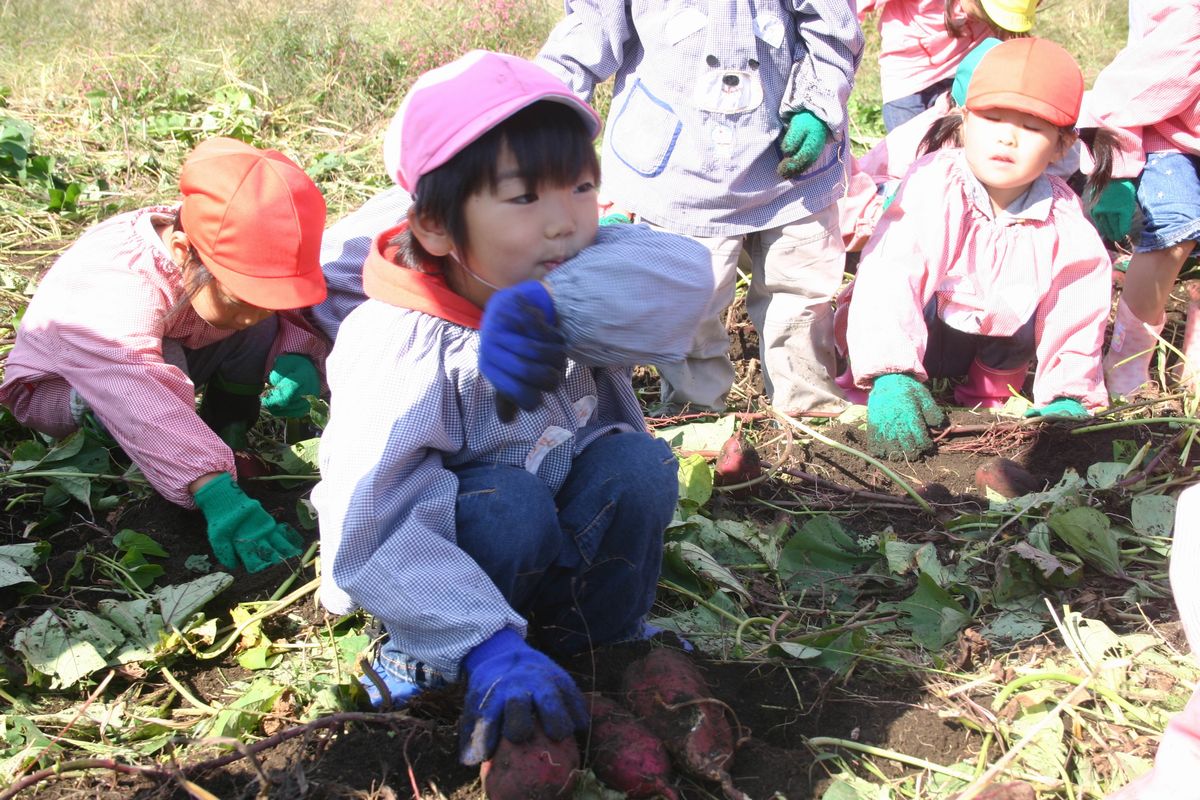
(802, 142)
(1113, 212)
(899, 413)
(1064, 407)
(521, 350)
(507, 682)
(292, 378)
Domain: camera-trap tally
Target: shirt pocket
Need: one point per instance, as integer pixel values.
(645, 131)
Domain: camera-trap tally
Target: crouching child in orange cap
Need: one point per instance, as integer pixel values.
(984, 263)
(151, 305)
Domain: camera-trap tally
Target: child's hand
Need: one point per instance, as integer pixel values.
(241, 530)
(521, 350)
(899, 413)
(292, 378)
(1113, 212)
(507, 683)
(802, 142)
(1065, 407)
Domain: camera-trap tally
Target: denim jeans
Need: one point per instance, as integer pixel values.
(1169, 195)
(899, 111)
(582, 566)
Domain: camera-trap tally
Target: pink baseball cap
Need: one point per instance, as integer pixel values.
(453, 105)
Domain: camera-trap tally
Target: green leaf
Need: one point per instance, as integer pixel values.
(820, 552)
(706, 436)
(695, 480)
(234, 721)
(15, 559)
(178, 602)
(704, 565)
(933, 616)
(1013, 626)
(68, 645)
(130, 541)
(259, 657)
(1153, 514)
(1106, 474)
(1089, 533)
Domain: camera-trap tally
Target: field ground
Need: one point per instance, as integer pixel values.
(879, 630)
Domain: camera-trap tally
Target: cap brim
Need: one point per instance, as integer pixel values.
(274, 294)
(1021, 102)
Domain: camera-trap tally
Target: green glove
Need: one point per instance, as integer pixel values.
(292, 377)
(1113, 212)
(899, 413)
(240, 529)
(802, 142)
(616, 218)
(1065, 407)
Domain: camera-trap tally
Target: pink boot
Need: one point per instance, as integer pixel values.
(1127, 362)
(852, 393)
(987, 387)
(1176, 771)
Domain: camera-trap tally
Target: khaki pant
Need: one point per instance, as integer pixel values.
(795, 271)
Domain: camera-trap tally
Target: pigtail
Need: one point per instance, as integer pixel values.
(1103, 144)
(946, 131)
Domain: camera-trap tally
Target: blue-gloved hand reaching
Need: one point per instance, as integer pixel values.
(508, 683)
(802, 142)
(521, 350)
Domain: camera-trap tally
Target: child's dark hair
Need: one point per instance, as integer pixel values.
(947, 131)
(551, 143)
(198, 279)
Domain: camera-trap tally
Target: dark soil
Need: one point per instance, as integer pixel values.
(778, 707)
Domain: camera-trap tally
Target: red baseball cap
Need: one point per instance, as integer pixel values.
(451, 106)
(1032, 75)
(256, 220)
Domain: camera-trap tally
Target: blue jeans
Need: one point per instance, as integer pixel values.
(897, 112)
(582, 566)
(1169, 195)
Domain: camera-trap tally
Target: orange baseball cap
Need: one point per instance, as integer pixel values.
(256, 220)
(1032, 75)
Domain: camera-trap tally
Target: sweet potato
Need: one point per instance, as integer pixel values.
(1006, 478)
(667, 692)
(537, 769)
(624, 754)
(737, 462)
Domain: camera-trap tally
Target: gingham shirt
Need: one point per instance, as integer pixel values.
(344, 248)
(1040, 258)
(98, 321)
(705, 172)
(409, 404)
(1150, 91)
(915, 49)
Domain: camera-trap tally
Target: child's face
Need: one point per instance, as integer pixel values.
(515, 234)
(219, 308)
(1007, 150)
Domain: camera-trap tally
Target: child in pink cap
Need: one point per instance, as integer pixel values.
(984, 262)
(1151, 93)
(149, 306)
(483, 543)
(922, 42)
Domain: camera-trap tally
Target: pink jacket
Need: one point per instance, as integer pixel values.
(888, 160)
(97, 321)
(990, 274)
(1150, 91)
(916, 50)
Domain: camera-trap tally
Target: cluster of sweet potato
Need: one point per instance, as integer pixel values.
(665, 719)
